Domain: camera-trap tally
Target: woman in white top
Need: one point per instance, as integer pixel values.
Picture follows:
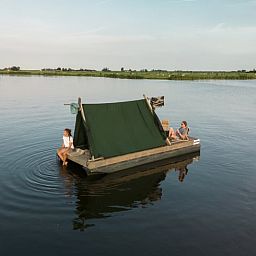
(66, 146)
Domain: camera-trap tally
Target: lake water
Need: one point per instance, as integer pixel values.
(199, 206)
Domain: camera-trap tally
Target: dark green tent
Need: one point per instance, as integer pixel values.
(113, 129)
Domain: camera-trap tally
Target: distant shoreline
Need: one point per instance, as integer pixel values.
(157, 75)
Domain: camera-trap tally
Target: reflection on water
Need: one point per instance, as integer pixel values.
(207, 209)
(183, 171)
(100, 196)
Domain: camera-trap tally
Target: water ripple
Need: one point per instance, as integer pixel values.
(35, 180)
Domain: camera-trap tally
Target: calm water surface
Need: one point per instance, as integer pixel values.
(197, 206)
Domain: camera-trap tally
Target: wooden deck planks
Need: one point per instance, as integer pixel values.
(117, 163)
(113, 165)
(80, 159)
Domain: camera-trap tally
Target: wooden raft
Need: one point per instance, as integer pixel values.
(130, 160)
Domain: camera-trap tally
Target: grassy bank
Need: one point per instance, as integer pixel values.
(164, 75)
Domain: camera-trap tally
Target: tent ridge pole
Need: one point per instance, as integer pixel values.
(146, 98)
(83, 115)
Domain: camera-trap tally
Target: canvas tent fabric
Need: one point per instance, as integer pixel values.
(113, 129)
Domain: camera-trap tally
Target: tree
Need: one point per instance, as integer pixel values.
(14, 68)
(122, 69)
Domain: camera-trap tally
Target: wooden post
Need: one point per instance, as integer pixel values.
(150, 107)
(81, 108)
(83, 116)
(79, 102)
(168, 142)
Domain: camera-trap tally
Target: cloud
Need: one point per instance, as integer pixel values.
(181, 1)
(242, 2)
(223, 29)
(103, 2)
(225, 40)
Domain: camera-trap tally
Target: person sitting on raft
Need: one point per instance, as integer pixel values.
(182, 132)
(66, 147)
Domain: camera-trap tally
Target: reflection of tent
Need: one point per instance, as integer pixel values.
(114, 129)
(101, 196)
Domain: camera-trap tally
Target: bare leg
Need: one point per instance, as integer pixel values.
(60, 153)
(172, 133)
(65, 155)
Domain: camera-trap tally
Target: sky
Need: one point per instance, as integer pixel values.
(163, 34)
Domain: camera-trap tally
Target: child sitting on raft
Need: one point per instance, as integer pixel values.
(181, 133)
(66, 147)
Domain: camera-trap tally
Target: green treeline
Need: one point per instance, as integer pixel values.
(133, 74)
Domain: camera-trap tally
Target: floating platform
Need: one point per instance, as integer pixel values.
(118, 163)
(111, 137)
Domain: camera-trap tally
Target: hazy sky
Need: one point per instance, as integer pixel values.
(163, 34)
